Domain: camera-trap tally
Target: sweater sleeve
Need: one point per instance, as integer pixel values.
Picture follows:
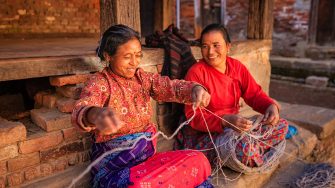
(95, 93)
(164, 89)
(214, 123)
(252, 93)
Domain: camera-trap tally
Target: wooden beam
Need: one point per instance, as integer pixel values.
(163, 14)
(23, 68)
(260, 19)
(313, 22)
(125, 12)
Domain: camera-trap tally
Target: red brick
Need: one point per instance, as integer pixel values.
(46, 169)
(23, 161)
(56, 153)
(50, 119)
(49, 100)
(71, 134)
(8, 152)
(70, 91)
(65, 104)
(60, 164)
(32, 173)
(39, 98)
(70, 79)
(3, 167)
(2, 182)
(11, 132)
(40, 142)
(15, 179)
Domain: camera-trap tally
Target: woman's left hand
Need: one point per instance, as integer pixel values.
(271, 115)
(200, 96)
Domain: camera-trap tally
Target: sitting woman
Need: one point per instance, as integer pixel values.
(115, 105)
(227, 79)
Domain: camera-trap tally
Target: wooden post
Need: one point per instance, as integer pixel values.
(260, 19)
(163, 14)
(313, 22)
(125, 12)
(197, 18)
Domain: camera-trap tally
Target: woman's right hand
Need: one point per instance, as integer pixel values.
(239, 123)
(105, 120)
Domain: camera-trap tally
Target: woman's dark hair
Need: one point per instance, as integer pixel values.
(113, 37)
(216, 27)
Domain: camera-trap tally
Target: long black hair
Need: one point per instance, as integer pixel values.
(216, 27)
(113, 37)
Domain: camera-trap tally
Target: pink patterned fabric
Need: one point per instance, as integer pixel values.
(177, 169)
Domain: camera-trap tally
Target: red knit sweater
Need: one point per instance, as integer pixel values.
(226, 90)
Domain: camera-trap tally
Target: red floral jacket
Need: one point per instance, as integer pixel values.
(128, 98)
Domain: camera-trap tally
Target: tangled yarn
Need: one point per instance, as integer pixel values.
(317, 176)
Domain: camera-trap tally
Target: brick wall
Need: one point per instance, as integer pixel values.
(237, 18)
(187, 18)
(290, 23)
(37, 18)
(290, 27)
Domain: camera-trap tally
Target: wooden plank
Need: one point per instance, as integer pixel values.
(125, 12)
(260, 19)
(15, 69)
(163, 14)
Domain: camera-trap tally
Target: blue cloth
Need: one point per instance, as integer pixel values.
(114, 169)
(205, 184)
(291, 132)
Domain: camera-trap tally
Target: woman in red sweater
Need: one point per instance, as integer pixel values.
(227, 79)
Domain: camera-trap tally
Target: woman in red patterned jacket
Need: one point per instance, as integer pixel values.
(115, 105)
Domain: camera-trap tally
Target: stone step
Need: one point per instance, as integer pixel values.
(285, 176)
(300, 93)
(301, 146)
(320, 121)
(302, 67)
(62, 179)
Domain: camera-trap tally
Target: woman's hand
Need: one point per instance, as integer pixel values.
(104, 119)
(241, 124)
(200, 96)
(271, 115)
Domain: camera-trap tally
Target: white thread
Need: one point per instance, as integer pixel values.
(243, 169)
(96, 161)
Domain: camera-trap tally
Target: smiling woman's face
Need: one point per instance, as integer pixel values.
(126, 59)
(214, 49)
